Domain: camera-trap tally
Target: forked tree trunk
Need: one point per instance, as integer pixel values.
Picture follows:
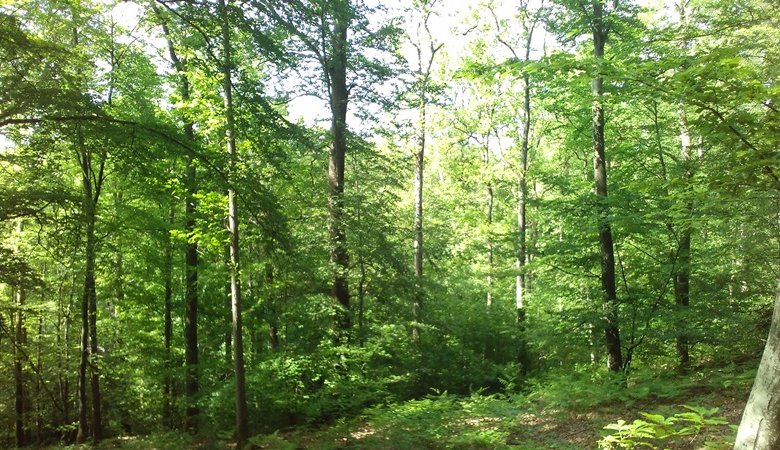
(91, 183)
(760, 425)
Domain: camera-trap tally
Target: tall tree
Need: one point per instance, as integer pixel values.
(92, 164)
(528, 19)
(426, 49)
(235, 267)
(192, 384)
(335, 34)
(600, 28)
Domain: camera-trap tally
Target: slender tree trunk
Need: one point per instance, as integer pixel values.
(760, 425)
(490, 201)
(273, 308)
(38, 383)
(339, 98)
(419, 159)
(119, 267)
(192, 383)
(64, 380)
(683, 266)
(167, 410)
(235, 266)
(522, 221)
(19, 394)
(228, 337)
(606, 246)
(97, 427)
(682, 295)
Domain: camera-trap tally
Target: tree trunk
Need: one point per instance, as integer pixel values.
(522, 222)
(19, 394)
(760, 425)
(167, 410)
(192, 385)
(39, 384)
(90, 291)
(419, 159)
(339, 98)
(235, 266)
(606, 247)
(64, 345)
(91, 184)
(490, 201)
(683, 265)
(273, 308)
(228, 337)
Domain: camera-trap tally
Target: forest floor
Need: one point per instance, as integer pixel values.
(561, 413)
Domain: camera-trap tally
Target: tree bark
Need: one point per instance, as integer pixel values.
(235, 266)
(606, 246)
(339, 98)
(760, 425)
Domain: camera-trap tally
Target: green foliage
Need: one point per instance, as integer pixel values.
(74, 84)
(437, 421)
(656, 429)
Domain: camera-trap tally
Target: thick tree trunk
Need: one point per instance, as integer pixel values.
(235, 266)
(760, 425)
(606, 246)
(339, 98)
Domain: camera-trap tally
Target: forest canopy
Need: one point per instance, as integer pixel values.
(225, 219)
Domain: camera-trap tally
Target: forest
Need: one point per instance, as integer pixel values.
(390, 224)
